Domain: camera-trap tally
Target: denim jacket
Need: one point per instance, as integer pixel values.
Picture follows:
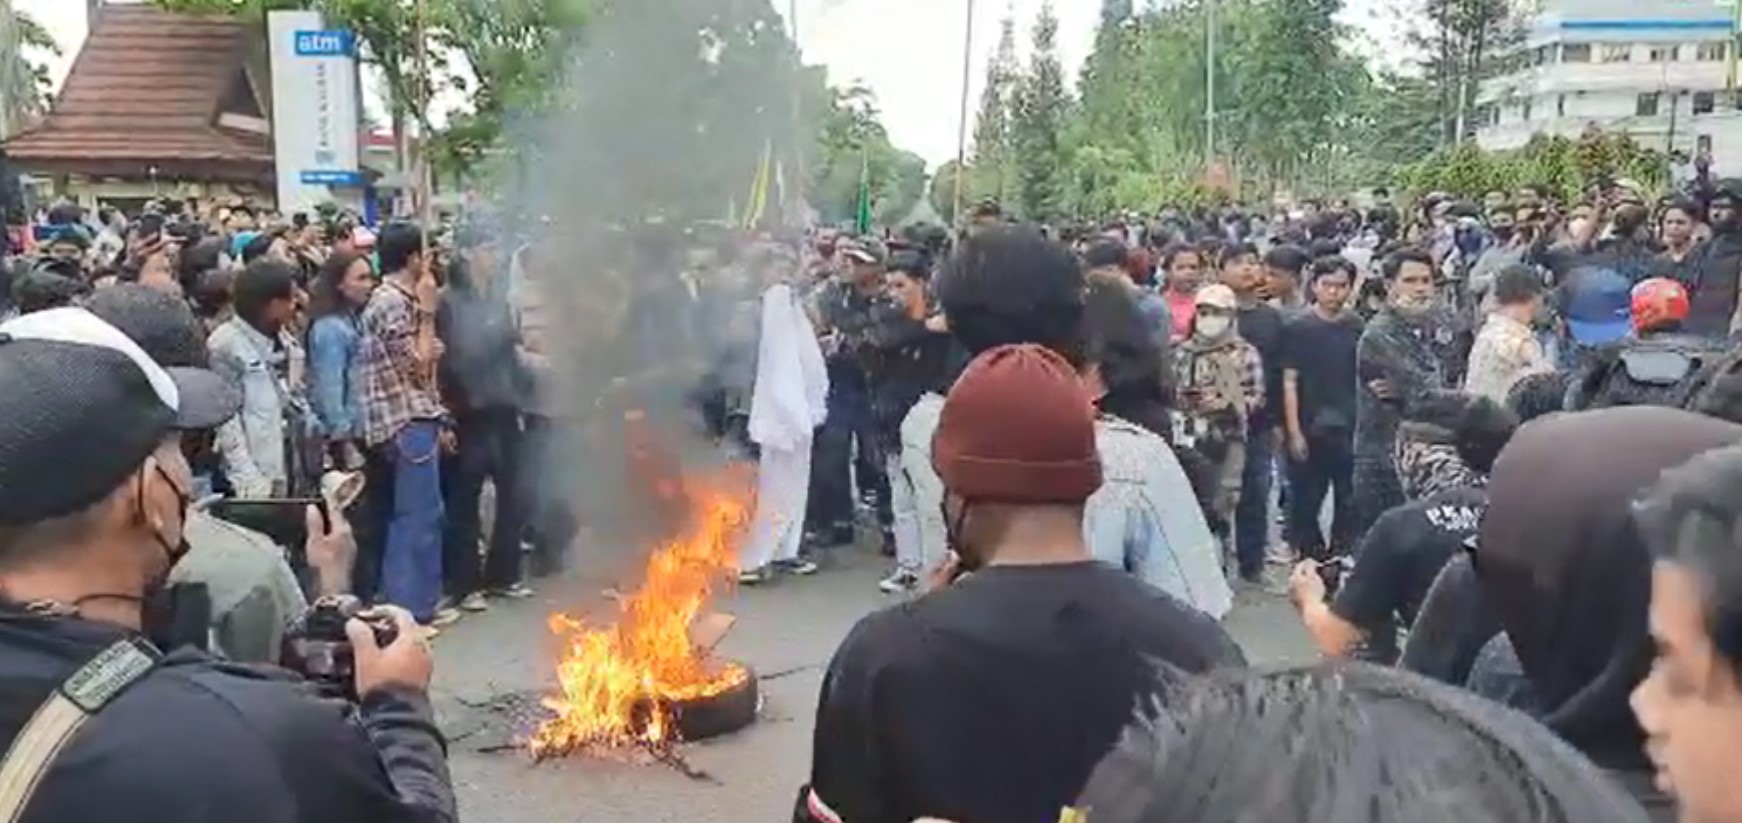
(253, 444)
(1144, 518)
(333, 379)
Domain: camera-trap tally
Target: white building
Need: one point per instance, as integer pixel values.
(1657, 69)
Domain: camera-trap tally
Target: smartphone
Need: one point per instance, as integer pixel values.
(282, 520)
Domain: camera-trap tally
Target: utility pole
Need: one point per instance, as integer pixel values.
(1209, 84)
(423, 96)
(962, 130)
(1731, 50)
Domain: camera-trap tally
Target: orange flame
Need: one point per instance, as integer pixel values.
(617, 682)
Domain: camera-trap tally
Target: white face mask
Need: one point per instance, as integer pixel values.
(1214, 326)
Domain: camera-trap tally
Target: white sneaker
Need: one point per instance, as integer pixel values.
(474, 602)
(753, 577)
(901, 581)
(800, 567)
(444, 617)
(518, 591)
(1281, 554)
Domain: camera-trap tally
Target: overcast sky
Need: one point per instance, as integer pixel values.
(907, 51)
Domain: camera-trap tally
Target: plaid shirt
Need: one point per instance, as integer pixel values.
(392, 396)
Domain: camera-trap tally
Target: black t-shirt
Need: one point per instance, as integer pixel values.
(1323, 353)
(1261, 325)
(1398, 561)
(1452, 625)
(993, 699)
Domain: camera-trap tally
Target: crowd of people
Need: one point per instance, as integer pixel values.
(359, 354)
(1491, 452)
(1529, 528)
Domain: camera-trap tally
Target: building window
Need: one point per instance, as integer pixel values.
(1663, 54)
(1560, 106)
(1704, 102)
(1712, 52)
(1616, 53)
(1576, 52)
(1647, 105)
(1542, 56)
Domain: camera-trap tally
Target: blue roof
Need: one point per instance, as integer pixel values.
(1634, 25)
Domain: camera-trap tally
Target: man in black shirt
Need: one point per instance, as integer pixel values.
(1446, 447)
(1714, 270)
(1319, 385)
(993, 697)
(846, 453)
(1260, 324)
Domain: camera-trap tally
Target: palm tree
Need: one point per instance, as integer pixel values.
(24, 82)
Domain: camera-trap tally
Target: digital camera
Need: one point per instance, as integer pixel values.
(317, 647)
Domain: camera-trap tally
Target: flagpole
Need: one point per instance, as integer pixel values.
(962, 128)
(798, 128)
(423, 95)
(1209, 84)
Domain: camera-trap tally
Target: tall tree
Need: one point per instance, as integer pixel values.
(1463, 40)
(518, 52)
(24, 80)
(1038, 122)
(1289, 97)
(993, 150)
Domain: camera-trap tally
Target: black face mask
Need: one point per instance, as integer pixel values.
(184, 502)
(1504, 233)
(953, 535)
(173, 616)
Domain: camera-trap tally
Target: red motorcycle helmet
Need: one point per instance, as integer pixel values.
(1657, 302)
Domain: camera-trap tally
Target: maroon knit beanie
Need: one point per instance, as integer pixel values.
(1018, 427)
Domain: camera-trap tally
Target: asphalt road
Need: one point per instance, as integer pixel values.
(786, 631)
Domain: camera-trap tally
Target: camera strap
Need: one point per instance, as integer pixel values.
(68, 708)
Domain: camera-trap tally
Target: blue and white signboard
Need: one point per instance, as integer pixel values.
(316, 111)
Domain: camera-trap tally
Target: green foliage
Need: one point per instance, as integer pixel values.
(851, 140)
(1293, 109)
(1463, 41)
(24, 82)
(1037, 121)
(994, 162)
(1566, 167)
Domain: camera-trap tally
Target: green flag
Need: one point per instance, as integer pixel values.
(862, 214)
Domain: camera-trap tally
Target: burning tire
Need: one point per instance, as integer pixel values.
(713, 715)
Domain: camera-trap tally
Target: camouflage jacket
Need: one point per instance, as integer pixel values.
(1221, 384)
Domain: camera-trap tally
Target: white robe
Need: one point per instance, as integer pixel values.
(788, 402)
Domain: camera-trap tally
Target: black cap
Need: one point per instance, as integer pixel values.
(161, 323)
(82, 406)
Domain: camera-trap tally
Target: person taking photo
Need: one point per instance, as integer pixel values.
(98, 722)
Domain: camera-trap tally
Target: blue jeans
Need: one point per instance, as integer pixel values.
(411, 570)
(1252, 513)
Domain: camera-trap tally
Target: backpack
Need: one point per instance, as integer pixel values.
(1665, 370)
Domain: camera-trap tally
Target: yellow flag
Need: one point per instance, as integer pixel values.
(758, 204)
